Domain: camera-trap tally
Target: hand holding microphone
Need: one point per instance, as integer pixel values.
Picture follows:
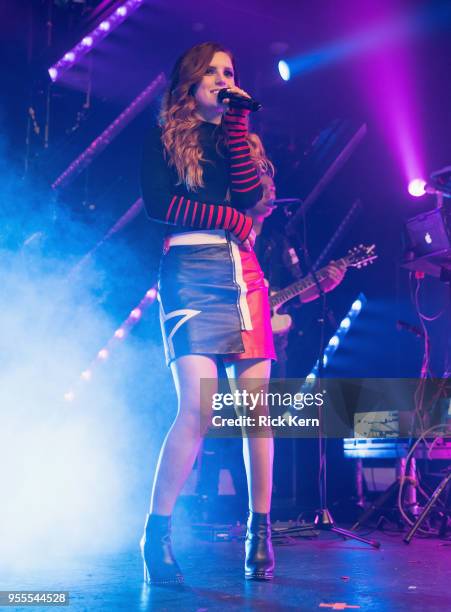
(238, 98)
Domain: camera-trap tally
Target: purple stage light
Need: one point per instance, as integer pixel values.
(93, 38)
(110, 133)
(416, 187)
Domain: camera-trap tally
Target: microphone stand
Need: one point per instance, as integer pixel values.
(323, 520)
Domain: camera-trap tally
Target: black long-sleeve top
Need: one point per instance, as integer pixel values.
(206, 208)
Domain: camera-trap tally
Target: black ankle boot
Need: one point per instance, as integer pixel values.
(160, 566)
(259, 564)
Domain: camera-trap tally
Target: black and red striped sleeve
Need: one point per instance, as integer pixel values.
(164, 205)
(245, 185)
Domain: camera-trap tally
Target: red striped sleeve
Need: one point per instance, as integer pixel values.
(178, 209)
(204, 208)
(168, 214)
(219, 217)
(188, 204)
(193, 217)
(210, 216)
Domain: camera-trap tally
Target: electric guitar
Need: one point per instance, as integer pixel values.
(358, 257)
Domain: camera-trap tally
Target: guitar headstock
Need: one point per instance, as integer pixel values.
(361, 256)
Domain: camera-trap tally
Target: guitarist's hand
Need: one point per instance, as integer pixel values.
(335, 274)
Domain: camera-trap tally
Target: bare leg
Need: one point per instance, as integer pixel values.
(182, 442)
(258, 452)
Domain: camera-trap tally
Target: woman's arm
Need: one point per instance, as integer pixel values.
(245, 184)
(163, 205)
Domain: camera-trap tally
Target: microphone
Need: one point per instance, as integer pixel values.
(237, 101)
(287, 201)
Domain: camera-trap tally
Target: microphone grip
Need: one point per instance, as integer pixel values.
(237, 101)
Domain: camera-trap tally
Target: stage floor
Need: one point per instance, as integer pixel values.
(325, 570)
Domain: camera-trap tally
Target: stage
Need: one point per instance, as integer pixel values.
(310, 574)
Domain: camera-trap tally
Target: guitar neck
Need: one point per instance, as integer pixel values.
(299, 286)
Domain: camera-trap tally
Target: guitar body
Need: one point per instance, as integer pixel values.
(280, 323)
(357, 257)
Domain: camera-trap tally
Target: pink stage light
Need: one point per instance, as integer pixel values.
(119, 334)
(151, 294)
(393, 94)
(110, 133)
(416, 187)
(88, 42)
(136, 314)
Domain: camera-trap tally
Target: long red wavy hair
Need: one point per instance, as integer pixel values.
(179, 119)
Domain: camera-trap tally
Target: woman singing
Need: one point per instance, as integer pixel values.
(199, 178)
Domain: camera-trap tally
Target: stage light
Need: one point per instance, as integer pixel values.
(284, 70)
(108, 135)
(69, 396)
(93, 38)
(334, 341)
(356, 306)
(136, 314)
(133, 318)
(346, 323)
(416, 187)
